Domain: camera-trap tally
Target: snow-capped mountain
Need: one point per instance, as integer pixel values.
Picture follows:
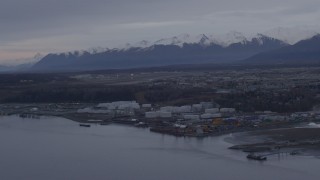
(183, 49)
(304, 52)
(293, 35)
(142, 44)
(176, 40)
(287, 35)
(232, 37)
(223, 40)
(97, 50)
(184, 39)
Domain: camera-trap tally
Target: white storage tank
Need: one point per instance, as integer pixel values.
(227, 110)
(212, 110)
(216, 115)
(167, 109)
(184, 109)
(152, 114)
(165, 114)
(206, 116)
(191, 117)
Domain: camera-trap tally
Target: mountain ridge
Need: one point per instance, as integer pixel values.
(305, 51)
(174, 52)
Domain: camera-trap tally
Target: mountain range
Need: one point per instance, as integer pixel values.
(304, 52)
(21, 64)
(234, 47)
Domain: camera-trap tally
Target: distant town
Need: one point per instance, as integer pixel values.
(180, 103)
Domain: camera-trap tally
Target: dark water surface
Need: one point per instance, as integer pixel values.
(58, 149)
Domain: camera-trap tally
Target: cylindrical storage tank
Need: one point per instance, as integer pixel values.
(151, 114)
(216, 115)
(227, 110)
(191, 117)
(206, 116)
(212, 110)
(165, 114)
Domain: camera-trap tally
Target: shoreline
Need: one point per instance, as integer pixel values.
(102, 119)
(293, 140)
(302, 141)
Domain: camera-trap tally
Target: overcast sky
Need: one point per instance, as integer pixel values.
(31, 26)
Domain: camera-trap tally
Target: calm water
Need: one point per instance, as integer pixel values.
(56, 148)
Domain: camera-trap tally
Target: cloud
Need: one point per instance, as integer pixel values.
(31, 26)
(142, 25)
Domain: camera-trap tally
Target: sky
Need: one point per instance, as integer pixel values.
(28, 27)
